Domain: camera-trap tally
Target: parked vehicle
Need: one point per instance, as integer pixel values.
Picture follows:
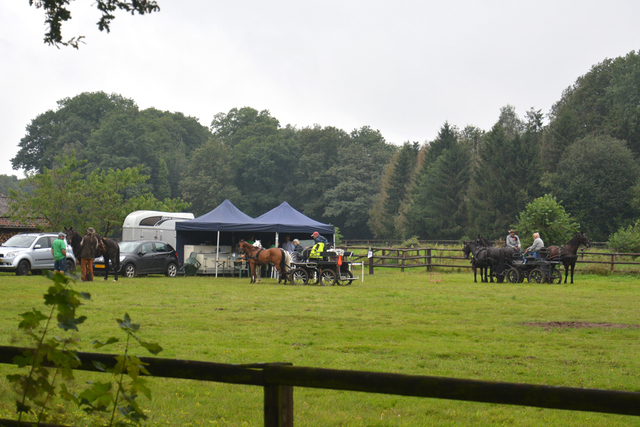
(144, 257)
(153, 225)
(26, 252)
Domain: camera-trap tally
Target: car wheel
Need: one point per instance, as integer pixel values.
(70, 267)
(172, 270)
(130, 270)
(23, 268)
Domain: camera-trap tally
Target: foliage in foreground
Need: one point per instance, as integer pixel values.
(49, 365)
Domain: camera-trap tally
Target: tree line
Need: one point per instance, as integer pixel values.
(465, 182)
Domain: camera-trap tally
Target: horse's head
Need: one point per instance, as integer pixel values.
(584, 240)
(244, 247)
(482, 241)
(468, 249)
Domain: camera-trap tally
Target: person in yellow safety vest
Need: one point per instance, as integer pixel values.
(318, 247)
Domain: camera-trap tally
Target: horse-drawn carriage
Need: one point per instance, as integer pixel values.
(322, 268)
(540, 269)
(334, 267)
(508, 263)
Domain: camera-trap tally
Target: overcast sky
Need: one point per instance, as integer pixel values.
(402, 67)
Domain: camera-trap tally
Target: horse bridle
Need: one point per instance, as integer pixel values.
(249, 256)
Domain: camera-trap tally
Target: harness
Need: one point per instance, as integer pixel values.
(249, 256)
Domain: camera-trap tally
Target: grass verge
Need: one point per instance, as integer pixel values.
(393, 322)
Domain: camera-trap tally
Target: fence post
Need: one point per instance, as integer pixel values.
(404, 253)
(384, 253)
(428, 259)
(370, 261)
(613, 262)
(278, 406)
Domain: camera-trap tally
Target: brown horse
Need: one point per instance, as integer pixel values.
(107, 248)
(568, 253)
(257, 255)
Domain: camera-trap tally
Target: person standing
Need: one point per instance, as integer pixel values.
(288, 245)
(88, 247)
(59, 252)
(512, 240)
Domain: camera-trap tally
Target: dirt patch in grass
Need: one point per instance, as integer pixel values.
(580, 325)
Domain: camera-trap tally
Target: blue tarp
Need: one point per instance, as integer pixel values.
(285, 219)
(226, 217)
(228, 224)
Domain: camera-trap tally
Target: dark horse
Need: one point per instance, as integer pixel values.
(488, 259)
(257, 255)
(568, 253)
(107, 248)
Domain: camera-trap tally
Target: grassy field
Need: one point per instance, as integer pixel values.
(393, 322)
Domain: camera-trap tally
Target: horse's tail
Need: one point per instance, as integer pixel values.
(283, 261)
(287, 259)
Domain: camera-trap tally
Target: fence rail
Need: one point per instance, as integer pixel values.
(279, 379)
(402, 258)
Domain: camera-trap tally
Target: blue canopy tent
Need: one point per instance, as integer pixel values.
(284, 219)
(206, 228)
(226, 222)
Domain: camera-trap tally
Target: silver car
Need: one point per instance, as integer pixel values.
(26, 252)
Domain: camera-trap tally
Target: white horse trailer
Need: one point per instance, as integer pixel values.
(153, 225)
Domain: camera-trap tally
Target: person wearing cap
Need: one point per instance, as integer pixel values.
(317, 238)
(512, 240)
(88, 248)
(59, 252)
(319, 243)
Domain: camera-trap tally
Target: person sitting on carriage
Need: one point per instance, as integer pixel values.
(319, 244)
(297, 247)
(512, 240)
(535, 247)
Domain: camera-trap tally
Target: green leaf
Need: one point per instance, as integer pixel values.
(154, 348)
(127, 325)
(20, 407)
(98, 344)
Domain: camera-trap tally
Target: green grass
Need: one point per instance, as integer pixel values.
(393, 322)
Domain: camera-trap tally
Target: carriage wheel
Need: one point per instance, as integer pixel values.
(556, 277)
(512, 275)
(345, 282)
(537, 276)
(327, 277)
(299, 276)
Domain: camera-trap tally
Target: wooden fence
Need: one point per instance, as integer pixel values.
(279, 379)
(453, 258)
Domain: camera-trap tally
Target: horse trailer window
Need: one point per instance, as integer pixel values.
(150, 221)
